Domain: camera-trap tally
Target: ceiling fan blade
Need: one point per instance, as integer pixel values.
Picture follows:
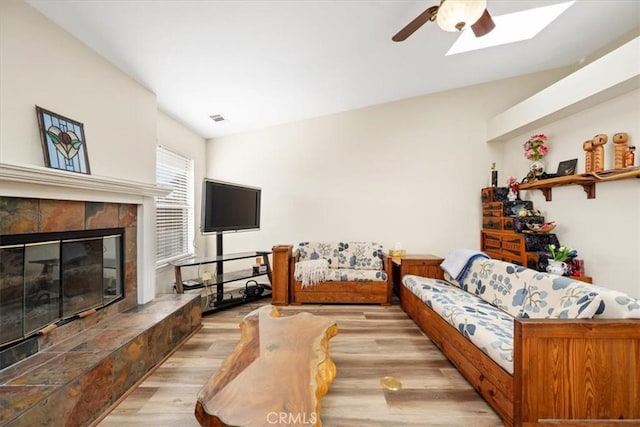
(484, 25)
(419, 21)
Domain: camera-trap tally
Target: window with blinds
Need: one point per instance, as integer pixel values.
(175, 211)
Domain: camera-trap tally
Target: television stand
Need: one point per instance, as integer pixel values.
(252, 290)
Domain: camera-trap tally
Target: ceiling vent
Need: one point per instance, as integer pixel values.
(217, 118)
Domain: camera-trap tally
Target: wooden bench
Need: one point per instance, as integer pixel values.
(276, 375)
(80, 378)
(568, 372)
(328, 292)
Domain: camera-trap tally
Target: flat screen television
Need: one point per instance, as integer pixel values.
(229, 207)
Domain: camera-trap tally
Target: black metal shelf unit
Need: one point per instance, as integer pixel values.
(225, 299)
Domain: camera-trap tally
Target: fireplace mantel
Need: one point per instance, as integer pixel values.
(29, 181)
(38, 175)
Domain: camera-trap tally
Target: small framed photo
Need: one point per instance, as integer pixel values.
(568, 167)
(63, 142)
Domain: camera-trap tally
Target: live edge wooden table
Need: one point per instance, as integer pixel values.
(276, 375)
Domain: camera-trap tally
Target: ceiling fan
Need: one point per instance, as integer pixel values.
(452, 15)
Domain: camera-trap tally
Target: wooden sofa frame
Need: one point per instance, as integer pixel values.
(332, 292)
(566, 372)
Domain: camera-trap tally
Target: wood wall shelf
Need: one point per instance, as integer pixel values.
(588, 181)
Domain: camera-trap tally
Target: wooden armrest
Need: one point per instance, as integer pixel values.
(386, 263)
(576, 369)
(425, 267)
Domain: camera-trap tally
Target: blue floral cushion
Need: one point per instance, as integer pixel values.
(351, 255)
(349, 275)
(487, 327)
(353, 275)
(616, 305)
(527, 293)
(362, 256)
(331, 251)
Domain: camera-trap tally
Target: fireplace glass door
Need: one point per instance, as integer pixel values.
(41, 285)
(81, 275)
(112, 268)
(11, 293)
(51, 277)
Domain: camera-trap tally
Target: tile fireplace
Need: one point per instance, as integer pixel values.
(86, 264)
(59, 261)
(49, 278)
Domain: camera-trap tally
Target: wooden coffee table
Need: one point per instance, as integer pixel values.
(276, 375)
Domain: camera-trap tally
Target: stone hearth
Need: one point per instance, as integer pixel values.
(75, 381)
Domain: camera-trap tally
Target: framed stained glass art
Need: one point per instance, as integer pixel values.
(63, 142)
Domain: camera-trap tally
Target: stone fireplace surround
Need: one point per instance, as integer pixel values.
(36, 182)
(70, 193)
(35, 199)
(83, 366)
(19, 215)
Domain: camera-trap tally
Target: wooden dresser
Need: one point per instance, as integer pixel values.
(499, 237)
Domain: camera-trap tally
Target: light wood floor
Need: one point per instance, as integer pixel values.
(372, 342)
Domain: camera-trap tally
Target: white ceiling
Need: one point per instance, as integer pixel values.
(261, 63)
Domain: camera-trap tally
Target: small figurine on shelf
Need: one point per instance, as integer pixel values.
(512, 183)
(588, 147)
(598, 152)
(259, 267)
(576, 267)
(620, 140)
(494, 175)
(630, 158)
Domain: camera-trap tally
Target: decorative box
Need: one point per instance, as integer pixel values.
(494, 194)
(505, 208)
(492, 223)
(397, 253)
(539, 242)
(520, 222)
(533, 261)
(492, 209)
(512, 208)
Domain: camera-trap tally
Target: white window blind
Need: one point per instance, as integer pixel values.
(175, 211)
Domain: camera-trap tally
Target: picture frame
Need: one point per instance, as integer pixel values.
(63, 142)
(567, 167)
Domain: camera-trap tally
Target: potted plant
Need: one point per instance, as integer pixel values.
(556, 264)
(534, 149)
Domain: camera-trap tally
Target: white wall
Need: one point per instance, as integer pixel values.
(604, 230)
(409, 171)
(41, 64)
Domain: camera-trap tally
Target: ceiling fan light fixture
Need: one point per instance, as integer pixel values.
(456, 15)
(484, 25)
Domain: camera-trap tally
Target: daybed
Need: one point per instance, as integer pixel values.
(357, 273)
(540, 349)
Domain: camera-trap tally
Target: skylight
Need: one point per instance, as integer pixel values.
(510, 28)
